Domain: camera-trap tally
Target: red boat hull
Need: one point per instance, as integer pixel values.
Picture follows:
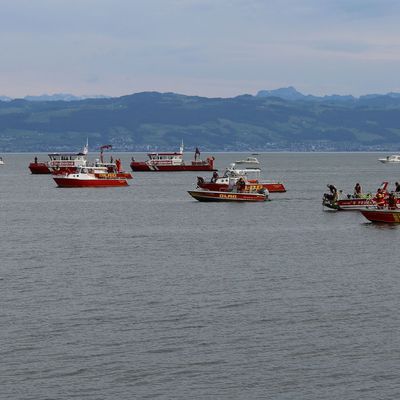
(272, 187)
(388, 216)
(124, 175)
(226, 196)
(144, 167)
(39, 168)
(70, 182)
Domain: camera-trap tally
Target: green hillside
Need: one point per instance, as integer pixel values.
(153, 120)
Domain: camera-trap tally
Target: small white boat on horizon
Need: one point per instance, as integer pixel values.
(1, 161)
(249, 162)
(395, 158)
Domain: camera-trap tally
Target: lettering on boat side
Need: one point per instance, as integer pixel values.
(227, 196)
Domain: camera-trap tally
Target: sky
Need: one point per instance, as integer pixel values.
(212, 48)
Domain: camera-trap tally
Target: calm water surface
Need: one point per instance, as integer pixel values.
(142, 292)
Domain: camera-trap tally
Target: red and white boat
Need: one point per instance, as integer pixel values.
(351, 202)
(382, 215)
(245, 193)
(60, 162)
(90, 177)
(246, 169)
(173, 162)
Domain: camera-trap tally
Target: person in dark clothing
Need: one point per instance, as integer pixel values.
(35, 160)
(332, 196)
(392, 203)
(357, 190)
(397, 187)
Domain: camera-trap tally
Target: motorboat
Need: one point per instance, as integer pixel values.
(173, 162)
(238, 191)
(1, 161)
(248, 170)
(352, 202)
(249, 162)
(395, 158)
(90, 177)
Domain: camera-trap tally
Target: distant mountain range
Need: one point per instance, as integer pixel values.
(291, 94)
(282, 119)
(56, 97)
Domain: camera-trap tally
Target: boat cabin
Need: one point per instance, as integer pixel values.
(62, 160)
(165, 158)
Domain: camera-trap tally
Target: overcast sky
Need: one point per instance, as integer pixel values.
(199, 47)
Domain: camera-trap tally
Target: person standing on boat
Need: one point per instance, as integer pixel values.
(357, 190)
(334, 194)
(35, 160)
(392, 203)
(397, 187)
(380, 198)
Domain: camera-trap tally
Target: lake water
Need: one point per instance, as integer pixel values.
(143, 292)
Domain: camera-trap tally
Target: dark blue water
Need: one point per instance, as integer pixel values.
(142, 292)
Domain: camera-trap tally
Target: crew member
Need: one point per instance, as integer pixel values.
(380, 198)
(397, 185)
(36, 161)
(118, 164)
(392, 203)
(333, 195)
(241, 184)
(214, 177)
(357, 190)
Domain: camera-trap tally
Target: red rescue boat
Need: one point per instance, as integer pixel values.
(353, 202)
(239, 191)
(90, 177)
(173, 162)
(60, 162)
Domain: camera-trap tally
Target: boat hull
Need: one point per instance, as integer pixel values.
(144, 167)
(215, 196)
(39, 168)
(272, 187)
(385, 215)
(75, 183)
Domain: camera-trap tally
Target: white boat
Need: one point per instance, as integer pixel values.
(395, 158)
(249, 162)
(1, 161)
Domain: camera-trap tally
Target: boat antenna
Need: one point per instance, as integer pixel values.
(86, 147)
